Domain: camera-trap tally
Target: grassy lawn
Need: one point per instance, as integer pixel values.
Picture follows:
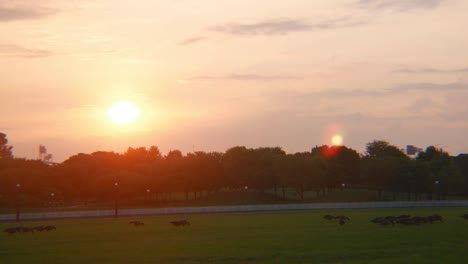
(279, 237)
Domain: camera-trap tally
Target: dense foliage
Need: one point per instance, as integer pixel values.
(144, 173)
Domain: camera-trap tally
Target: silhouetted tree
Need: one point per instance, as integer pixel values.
(80, 172)
(447, 176)
(263, 167)
(381, 148)
(172, 172)
(462, 163)
(5, 149)
(143, 173)
(342, 165)
(238, 166)
(305, 172)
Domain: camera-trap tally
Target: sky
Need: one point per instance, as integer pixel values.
(212, 74)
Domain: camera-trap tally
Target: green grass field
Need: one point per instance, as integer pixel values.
(276, 237)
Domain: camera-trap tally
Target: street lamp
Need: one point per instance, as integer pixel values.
(17, 202)
(116, 212)
(343, 186)
(52, 199)
(148, 194)
(437, 184)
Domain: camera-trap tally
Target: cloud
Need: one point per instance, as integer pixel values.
(400, 5)
(429, 87)
(306, 97)
(245, 77)
(7, 50)
(24, 13)
(192, 40)
(429, 70)
(407, 87)
(351, 93)
(282, 26)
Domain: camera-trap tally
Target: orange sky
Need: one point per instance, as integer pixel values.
(212, 74)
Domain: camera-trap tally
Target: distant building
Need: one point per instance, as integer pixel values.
(412, 150)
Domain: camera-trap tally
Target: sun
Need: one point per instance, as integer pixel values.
(123, 113)
(337, 140)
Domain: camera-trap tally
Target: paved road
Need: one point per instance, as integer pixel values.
(229, 209)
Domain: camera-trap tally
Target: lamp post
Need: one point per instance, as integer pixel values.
(17, 202)
(343, 186)
(116, 209)
(148, 194)
(437, 183)
(52, 199)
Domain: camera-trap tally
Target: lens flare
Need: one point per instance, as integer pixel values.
(337, 140)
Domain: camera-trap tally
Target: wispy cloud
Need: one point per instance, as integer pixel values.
(402, 88)
(8, 14)
(192, 40)
(351, 93)
(429, 87)
(430, 70)
(7, 50)
(399, 5)
(245, 77)
(282, 26)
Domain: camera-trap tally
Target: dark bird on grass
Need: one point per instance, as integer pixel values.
(27, 229)
(136, 223)
(343, 217)
(435, 217)
(180, 223)
(10, 231)
(39, 228)
(329, 217)
(386, 222)
(406, 221)
(49, 228)
(377, 220)
(403, 216)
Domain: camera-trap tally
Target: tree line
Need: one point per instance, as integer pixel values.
(145, 173)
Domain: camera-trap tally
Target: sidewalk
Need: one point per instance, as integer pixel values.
(232, 209)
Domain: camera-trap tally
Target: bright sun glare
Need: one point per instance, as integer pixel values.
(123, 113)
(337, 140)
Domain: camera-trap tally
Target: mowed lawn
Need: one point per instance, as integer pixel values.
(276, 237)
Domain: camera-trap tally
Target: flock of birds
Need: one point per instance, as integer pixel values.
(341, 219)
(22, 229)
(407, 220)
(392, 220)
(174, 223)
